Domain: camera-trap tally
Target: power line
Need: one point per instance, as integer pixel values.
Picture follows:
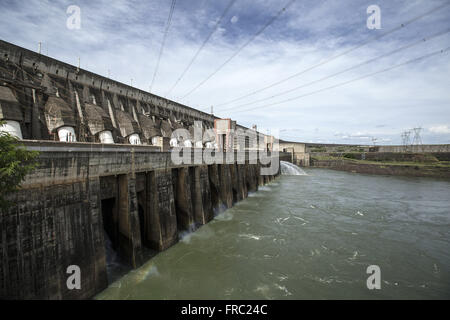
(343, 71)
(166, 31)
(230, 4)
(350, 81)
(340, 55)
(290, 2)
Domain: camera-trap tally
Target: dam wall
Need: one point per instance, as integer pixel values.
(81, 192)
(40, 95)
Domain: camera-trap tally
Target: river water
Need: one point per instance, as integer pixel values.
(311, 237)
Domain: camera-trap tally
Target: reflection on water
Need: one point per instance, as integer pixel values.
(310, 237)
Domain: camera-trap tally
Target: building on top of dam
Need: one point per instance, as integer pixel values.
(45, 99)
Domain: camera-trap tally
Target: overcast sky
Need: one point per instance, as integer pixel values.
(125, 37)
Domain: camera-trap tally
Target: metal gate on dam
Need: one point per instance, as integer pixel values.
(106, 165)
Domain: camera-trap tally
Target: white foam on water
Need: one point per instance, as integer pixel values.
(250, 236)
(435, 269)
(280, 220)
(289, 169)
(301, 219)
(117, 284)
(229, 291)
(283, 278)
(355, 254)
(204, 232)
(255, 194)
(186, 237)
(283, 288)
(263, 290)
(221, 209)
(279, 241)
(224, 216)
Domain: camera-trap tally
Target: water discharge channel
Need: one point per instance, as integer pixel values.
(310, 235)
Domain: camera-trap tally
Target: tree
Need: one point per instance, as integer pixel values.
(15, 163)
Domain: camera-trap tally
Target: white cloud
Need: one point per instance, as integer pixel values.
(441, 129)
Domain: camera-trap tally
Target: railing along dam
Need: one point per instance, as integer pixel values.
(134, 193)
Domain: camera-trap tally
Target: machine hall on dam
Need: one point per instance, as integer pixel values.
(106, 174)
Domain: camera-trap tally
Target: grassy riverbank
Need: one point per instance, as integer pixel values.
(418, 165)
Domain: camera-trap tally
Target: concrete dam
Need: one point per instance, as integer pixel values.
(106, 166)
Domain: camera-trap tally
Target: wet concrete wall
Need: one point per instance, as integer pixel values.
(81, 192)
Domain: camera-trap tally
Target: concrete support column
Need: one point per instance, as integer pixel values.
(129, 229)
(252, 177)
(214, 183)
(242, 181)
(202, 205)
(162, 221)
(238, 184)
(226, 190)
(183, 201)
(100, 278)
(234, 183)
(259, 178)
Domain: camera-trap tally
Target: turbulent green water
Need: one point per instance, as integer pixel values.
(311, 237)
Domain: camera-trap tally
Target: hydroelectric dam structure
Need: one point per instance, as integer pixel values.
(106, 167)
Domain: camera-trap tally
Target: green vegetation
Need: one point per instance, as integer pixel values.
(15, 163)
(357, 150)
(318, 149)
(402, 163)
(355, 158)
(323, 157)
(406, 164)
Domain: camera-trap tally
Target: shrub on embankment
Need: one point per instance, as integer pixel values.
(15, 163)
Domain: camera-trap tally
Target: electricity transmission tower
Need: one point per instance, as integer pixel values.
(417, 138)
(406, 139)
(374, 141)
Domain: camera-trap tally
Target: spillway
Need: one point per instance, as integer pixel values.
(289, 169)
